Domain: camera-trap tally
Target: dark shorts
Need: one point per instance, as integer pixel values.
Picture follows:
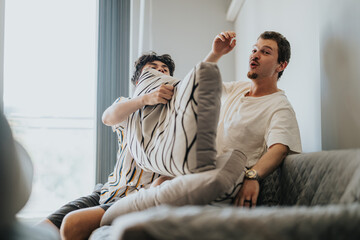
(91, 200)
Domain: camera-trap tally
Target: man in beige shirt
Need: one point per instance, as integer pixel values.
(256, 116)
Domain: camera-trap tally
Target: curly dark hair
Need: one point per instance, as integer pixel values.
(284, 50)
(150, 57)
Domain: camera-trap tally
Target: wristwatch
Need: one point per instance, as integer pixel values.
(252, 174)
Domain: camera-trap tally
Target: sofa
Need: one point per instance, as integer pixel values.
(16, 174)
(311, 196)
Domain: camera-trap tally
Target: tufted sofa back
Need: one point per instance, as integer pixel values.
(320, 178)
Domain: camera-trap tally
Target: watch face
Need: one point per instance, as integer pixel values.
(251, 174)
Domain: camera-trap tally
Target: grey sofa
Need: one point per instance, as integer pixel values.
(311, 196)
(16, 174)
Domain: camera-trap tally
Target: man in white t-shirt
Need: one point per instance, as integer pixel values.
(256, 117)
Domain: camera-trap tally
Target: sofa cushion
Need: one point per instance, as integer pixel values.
(177, 138)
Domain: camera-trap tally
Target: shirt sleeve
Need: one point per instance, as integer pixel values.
(121, 125)
(227, 87)
(284, 129)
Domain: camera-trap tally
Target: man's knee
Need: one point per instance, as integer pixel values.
(80, 223)
(70, 226)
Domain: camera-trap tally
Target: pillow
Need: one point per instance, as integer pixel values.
(192, 189)
(127, 177)
(177, 138)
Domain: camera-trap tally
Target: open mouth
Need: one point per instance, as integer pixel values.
(253, 64)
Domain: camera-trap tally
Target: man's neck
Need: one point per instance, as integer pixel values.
(262, 87)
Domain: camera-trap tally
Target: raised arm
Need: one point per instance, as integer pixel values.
(119, 111)
(222, 44)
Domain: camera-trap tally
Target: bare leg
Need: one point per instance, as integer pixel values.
(81, 223)
(160, 180)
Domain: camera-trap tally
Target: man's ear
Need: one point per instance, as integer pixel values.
(282, 66)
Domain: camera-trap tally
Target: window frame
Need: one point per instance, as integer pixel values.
(112, 75)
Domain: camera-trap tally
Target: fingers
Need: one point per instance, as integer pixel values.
(161, 95)
(239, 201)
(226, 35)
(253, 201)
(161, 100)
(233, 43)
(242, 201)
(248, 194)
(168, 87)
(166, 91)
(247, 203)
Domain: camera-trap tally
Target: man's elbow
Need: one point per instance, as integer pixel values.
(105, 119)
(281, 149)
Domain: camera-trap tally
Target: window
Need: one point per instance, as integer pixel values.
(49, 95)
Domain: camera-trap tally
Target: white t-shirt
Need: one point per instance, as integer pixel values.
(253, 124)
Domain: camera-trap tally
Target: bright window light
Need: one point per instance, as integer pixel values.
(50, 95)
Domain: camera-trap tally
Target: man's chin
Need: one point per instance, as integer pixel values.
(252, 75)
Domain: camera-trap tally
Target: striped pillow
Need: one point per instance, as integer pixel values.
(127, 177)
(177, 138)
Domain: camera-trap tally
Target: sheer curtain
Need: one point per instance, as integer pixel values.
(49, 95)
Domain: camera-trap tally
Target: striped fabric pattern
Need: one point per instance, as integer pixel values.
(177, 138)
(127, 176)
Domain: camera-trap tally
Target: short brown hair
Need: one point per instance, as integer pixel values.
(150, 57)
(284, 50)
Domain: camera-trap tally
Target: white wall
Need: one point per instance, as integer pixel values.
(340, 73)
(185, 29)
(322, 80)
(298, 21)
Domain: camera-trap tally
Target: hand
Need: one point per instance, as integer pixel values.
(161, 95)
(248, 194)
(224, 43)
(160, 180)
